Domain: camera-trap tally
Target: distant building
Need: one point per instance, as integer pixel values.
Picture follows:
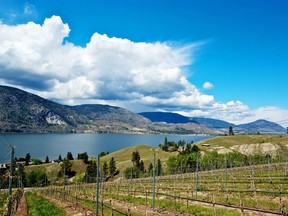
(205, 145)
(3, 166)
(20, 162)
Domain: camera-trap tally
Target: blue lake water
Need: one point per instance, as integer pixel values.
(53, 145)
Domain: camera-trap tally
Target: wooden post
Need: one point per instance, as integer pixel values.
(187, 203)
(153, 194)
(97, 187)
(196, 185)
(112, 213)
(10, 181)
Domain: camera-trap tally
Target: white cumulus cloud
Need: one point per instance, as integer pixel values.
(39, 58)
(208, 85)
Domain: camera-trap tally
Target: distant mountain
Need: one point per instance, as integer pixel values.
(212, 123)
(111, 114)
(167, 117)
(261, 126)
(176, 118)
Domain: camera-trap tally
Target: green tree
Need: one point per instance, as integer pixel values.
(21, 175)
(27, 159)
(36, 161)
(91, 170)
(150, 169)
(141, 166)
(112, 167)
(69, 156)
(84, 157)
(105, 169)
(47, 159)
(172, 164)
(165, 141)
(181, 143)
(231, 133)
(4, 178)
(131, 172)
(36, 178)
(59, 158)
(66, 166)
(103, 154)
(136, 159)
(212, 160)
(195, 148)
(159, 167)
(183, 162)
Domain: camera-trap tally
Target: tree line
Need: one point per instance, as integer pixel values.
(38, 177)
(138, 167)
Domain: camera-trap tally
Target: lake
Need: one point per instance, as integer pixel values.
(53, 145)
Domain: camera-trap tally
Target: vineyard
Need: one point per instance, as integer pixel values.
(255, 189)
(188, 183)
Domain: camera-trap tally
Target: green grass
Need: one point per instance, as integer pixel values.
(3, 201)
(38, 206)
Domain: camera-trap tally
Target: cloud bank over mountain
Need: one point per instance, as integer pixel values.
(135, 75)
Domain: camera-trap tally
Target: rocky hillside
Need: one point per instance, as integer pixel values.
(22, 111)
(111, 119)
(111, 114)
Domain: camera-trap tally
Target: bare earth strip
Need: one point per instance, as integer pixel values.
(70, 208)
(22, 208)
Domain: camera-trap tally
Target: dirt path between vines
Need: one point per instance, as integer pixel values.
(22, 208)
(72, 209)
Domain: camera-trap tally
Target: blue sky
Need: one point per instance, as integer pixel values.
(238, 48)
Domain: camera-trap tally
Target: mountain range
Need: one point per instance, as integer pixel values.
(21, 111)
(259, 126)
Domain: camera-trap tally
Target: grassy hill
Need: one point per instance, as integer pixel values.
(123, 157)
(52, 169)
(247, 144)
